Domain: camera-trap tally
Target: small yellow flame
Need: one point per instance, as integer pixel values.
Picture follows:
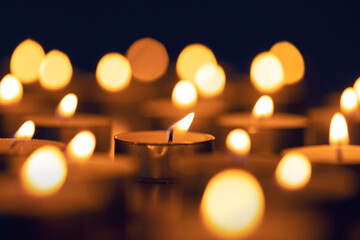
(25, 61)
(81, 147)
(266, 72)
(338, 130)
(357, 87)
(238, 141)
(26, 130)
(67, 106)
(184, 124)
(349, 101)
(264, 107)
(233, 204)
(293, 171)
(184, 94)
(191, 58)
(113, 72)
(55, 70)
(11, 90)
(210, 80)
(44, 172)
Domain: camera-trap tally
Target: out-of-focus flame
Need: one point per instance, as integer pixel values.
(11, 90)
(67, 106)
(81, 147)
(291, 60)
(233, 204)
(266, 72)
(184, 94)
(25, 61)
(26, 131)
(191, 58)
(357, 87)
(264, 107)
(45, 171)
(349, 101)
(148, 58)
(338, 130)
(55, 70)
(113, 72)
(238, 141)
(293, 171)
(210, 80)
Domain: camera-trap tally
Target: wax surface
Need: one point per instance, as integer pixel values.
(24, 146)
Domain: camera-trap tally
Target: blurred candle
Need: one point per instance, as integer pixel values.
(239, 144)
(81, 147)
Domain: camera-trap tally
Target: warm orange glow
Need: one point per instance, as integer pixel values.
(184, 124)
(264, 107)
(338, 130)
(67, 106)
(191, 59)
(81, 147)
(55, 70)
(26, 130)
(25, 61)
(113, 72)
(293, 171)
(11, 90)
(233, 204)
(44, 172)
(238, 141)
(349, 101)
(184, 94)
(266, 72)
(291, 60)
(210, 80)
(357, 87)
(148, 58)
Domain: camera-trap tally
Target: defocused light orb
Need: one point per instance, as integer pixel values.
(25, 61)
(113, 72)
(191, 58)
(55, 70)
(67, 106)
(11, 90)
(266, 72)
(264, 107)
(293, 171)
(148, 58)
(291, 60)
(357, 87)
(238, 141)
(81, 147)
(233, 204)
(349, 101)
(184, 94)
(26, 131)
(210, 80)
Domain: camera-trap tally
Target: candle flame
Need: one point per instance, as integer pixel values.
(184, 94)
(357, 87)
(233, 204)
(264, 107)
(26, 131)
(338, 130)
(266, 72)
(180, 126)
(81, 147)
(210, 80)
(11, 90)
(293, 171)
(238, 141)
(45, 171)
(67, 106)
(349, 101)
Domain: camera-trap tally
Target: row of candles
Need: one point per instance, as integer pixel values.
(233, 201)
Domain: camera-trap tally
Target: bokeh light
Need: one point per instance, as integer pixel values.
(349, 101)
(26, 131)
(238, 141)
(67, 106)
(264, 107)
(338, 134)
(81, 147)
(184, 94)
(210, 80)
(11, 90)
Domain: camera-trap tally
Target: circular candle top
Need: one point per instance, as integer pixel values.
(277, 121)
(24, 146)
(164, 108)
(161, 138)
(329, 154)
(81, 120)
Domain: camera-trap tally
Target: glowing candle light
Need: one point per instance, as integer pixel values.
(266, 72)
(184, 94)
(55, 70)
(233, 204)
(338, 130)
(25, 61)
(293, 171)
(113, 72)
(180, 126)
(67, 106)
(357, 87)
(210, 80)
(264, 107)
(45, 171)
(349, 101)
(81, 147)
(238, 141)
(26, 131)
(11, 90)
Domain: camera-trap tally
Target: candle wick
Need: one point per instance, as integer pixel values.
(171, 135)
(338, 153)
